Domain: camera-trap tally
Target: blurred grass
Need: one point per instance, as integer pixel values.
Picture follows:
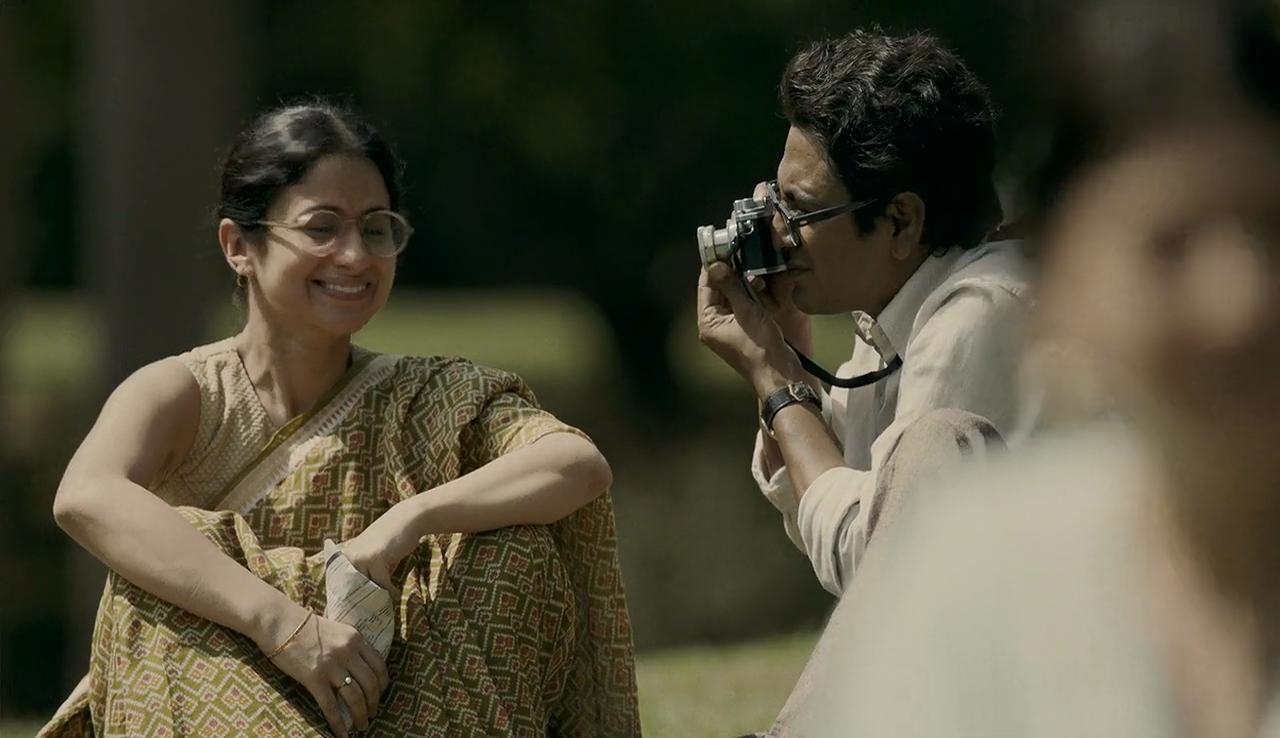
(53, 341)
(19, 728)
(719, 691)
(688, 692)
(545, 336)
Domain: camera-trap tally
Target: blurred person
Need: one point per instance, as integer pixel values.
(1118, 577)
(212, 480)
(883, 206)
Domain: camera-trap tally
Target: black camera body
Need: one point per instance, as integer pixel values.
(745, 242)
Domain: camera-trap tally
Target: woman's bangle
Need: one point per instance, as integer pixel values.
(294, 634)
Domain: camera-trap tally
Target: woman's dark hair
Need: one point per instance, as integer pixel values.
(900, 114)
(281, 145)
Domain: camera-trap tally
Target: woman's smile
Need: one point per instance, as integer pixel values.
(346, 290)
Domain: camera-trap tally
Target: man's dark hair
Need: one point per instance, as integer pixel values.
(900, 114)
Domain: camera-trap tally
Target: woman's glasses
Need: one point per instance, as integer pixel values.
(384, 233)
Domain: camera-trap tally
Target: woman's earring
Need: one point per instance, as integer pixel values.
(242, 281)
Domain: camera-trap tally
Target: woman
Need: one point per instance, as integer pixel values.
(212, 480)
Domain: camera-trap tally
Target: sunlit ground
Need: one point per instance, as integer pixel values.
(690, 692)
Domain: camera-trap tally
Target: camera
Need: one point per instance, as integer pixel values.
(746, 241)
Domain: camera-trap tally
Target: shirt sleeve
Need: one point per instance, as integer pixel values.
(776, 484)
(965, 355)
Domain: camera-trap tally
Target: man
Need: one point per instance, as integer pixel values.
(1118, 578)
(891, 138)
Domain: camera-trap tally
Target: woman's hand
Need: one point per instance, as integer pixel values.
(334, 662)
(378, 550)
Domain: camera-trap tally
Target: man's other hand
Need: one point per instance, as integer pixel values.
(742, 333)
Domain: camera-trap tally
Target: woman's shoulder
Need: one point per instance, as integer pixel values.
(457, 375)
(220, 350)
(163, 395)
(213, 366)
(163, 383)
(453, 368)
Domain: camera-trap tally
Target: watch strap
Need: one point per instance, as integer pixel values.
(793, 393)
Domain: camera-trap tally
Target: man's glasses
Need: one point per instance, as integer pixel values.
(384, 233)
(796, 220)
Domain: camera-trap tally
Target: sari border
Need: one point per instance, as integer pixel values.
(270, 468)
(287, 430)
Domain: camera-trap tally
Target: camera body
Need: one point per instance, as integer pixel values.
(745, 242)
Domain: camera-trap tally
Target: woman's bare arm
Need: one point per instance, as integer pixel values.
(145, 429)
(536, 485)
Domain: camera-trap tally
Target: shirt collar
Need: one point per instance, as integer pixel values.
(899, 315)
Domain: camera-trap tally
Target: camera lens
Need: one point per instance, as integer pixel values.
(713, 244)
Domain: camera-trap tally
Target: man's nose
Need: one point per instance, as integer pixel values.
(781, 234)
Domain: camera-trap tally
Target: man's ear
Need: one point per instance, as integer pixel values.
(235, 247)
(906, 215)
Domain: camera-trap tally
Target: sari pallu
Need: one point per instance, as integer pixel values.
(518, 631)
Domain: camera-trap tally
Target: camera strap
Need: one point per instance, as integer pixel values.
(862, 380)
(874, 336)
(871, 334)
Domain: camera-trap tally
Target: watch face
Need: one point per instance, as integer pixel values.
(804, 393)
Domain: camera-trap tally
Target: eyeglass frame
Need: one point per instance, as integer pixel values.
(328, 247)
(795, 221)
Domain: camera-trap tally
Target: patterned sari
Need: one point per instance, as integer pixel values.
(521, 631)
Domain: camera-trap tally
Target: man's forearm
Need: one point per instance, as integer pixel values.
(802, 440)
(772, 455)
(805, 445)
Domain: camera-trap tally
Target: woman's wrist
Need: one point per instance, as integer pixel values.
(409, 517)
(274, 620)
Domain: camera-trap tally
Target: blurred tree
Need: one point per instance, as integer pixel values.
(162, 89)
(566, 144)
(579, 144)
(11, 146)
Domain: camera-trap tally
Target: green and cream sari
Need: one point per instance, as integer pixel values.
(518, 631)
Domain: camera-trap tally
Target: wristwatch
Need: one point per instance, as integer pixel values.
(789, 395)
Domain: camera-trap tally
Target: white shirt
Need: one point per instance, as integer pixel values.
(957, 323)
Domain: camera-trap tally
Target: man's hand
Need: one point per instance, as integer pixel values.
(774, 293)
(742, 333)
